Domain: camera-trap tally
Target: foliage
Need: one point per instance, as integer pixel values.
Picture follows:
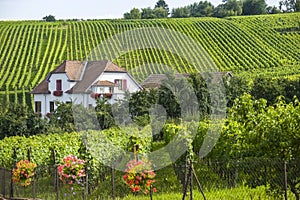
(254, 129)
(181, 12)
(229, 8)
(41, 147)
(272, 10)
(289, 5)
(254, 7)
(148, 13)
(104, 113)
(162, 4)
(20, 120)
(133, 14)
(160, 12)
(24, 172)
(139, 176)
(49, 18)
(201, 9)
(63, 117)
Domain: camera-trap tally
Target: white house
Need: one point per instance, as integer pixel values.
(82, 83)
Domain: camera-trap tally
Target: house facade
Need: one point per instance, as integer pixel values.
(82, 83)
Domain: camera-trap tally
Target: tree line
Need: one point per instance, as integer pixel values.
(207, 9)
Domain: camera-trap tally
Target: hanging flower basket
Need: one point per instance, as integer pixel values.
(24, 172)
(71, 171)
(139, 176)
(58, 93)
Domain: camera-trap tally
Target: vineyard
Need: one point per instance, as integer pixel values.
(30, 49)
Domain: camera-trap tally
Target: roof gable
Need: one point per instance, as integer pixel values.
(73, 69)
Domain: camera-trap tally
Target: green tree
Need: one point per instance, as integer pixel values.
(272, 10)
(267, 88)
(180, 12)
(289, 5)
(221, 11)
(254, 7)
(235, 6)
(62, 118)
(160, 12)
(134, 14)
(201, 9)
(49, 18)
(104, 113)
(148, 13)
(162, 4)
(20, 120)
(297, 7)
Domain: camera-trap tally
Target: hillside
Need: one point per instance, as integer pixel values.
(30, 49)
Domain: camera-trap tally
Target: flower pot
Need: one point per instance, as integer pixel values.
(58, 93)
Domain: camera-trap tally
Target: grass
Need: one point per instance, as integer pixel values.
(240, 193)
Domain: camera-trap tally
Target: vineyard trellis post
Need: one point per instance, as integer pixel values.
(285, 181)
(56, 186)
(112, 182)
(11, 180)
(33, 180)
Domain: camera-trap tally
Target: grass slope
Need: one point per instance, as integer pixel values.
(30, 49)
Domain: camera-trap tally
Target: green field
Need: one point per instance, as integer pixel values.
(30, 49)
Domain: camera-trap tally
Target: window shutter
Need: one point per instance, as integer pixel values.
(58, 85)
(124, 84)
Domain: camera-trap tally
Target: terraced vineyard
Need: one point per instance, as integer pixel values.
(29, 50)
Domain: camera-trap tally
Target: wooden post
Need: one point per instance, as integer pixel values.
(191, 180)
(112, 182)
(3, 181)
(11, 180)
(285, 181)
(198, 182)
(134, 152)
(186, 183)
(55, 173)
(151, 192)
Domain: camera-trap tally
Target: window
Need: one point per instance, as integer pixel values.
(51, 106)
(58, 85)
(38, 106)
(101, 89)
(121, 83)
(111, 90)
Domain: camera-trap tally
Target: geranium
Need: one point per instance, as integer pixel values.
(24, 172)
(71, 171)
(139, 176)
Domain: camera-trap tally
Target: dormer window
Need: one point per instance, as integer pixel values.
(58, 85)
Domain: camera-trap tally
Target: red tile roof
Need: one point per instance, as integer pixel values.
(104, 83)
